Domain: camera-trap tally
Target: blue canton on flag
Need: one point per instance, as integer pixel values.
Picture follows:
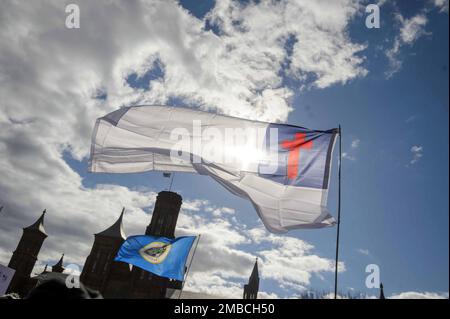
(303, 156)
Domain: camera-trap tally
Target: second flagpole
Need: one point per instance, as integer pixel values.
(339, 215)
(189, 266)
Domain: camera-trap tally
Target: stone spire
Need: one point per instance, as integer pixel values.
(58, 267)
(254, 277)
(116, 229)
(251, 289)
(38, 225)
(381, 292)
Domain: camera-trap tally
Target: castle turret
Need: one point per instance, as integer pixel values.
(165, 215)
(100, 269)
(25, 256)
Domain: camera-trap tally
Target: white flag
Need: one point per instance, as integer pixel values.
(282, 169)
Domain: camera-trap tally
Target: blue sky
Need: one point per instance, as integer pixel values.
(395, 200)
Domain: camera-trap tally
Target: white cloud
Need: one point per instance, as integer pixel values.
(411, 118)
(442, 5)
(363, 251)
(331, 296)
(419, 295)
(347, 156)
(238, 71)
(290, 261)
(218, 211)
(410, 30)
(355, 143)
(350, 153)
(59, 71)
(417, 152)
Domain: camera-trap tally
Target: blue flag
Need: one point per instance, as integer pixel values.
(160, 255)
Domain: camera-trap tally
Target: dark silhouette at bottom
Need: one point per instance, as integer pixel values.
(57, 289)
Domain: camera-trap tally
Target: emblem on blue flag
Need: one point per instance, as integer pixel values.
(155, 252)
(162, 256)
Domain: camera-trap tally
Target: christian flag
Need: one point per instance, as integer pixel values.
(282, 169)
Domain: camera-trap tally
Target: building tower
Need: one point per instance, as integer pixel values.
(58, 267)
(25, 256)
(165, 215)
(164, 220)
(251, 289)
(100, 271)
(381, 292)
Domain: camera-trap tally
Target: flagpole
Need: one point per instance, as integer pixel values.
(189, 266)
(339, 214)
(171, 180)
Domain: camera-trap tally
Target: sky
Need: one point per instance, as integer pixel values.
(308, 63)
